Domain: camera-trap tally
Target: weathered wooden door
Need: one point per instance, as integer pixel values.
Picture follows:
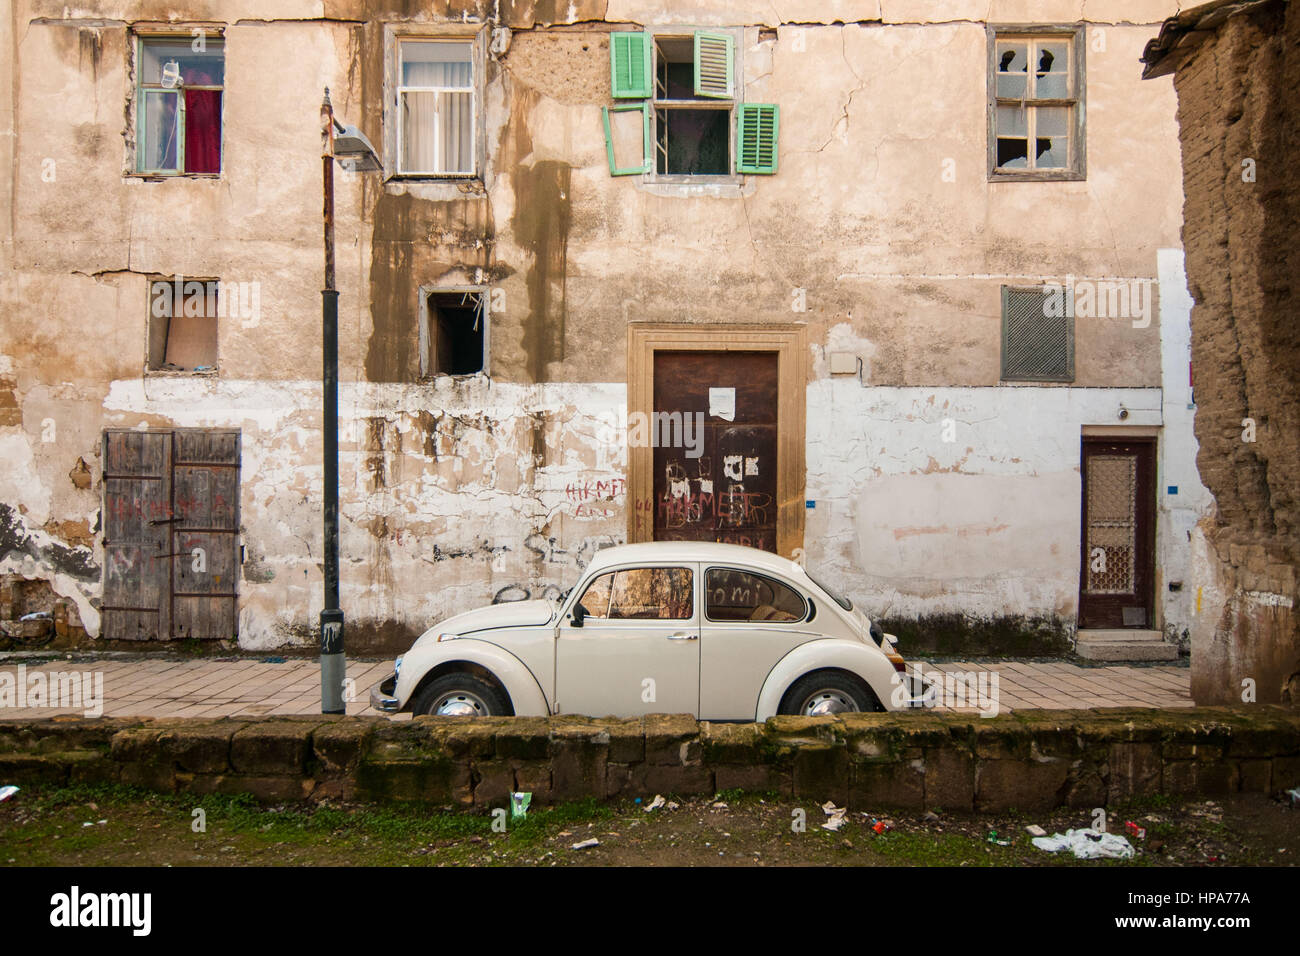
(171, 534)
(719, 483)
(1116, 587)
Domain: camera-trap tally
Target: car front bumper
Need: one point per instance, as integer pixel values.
(381, 695)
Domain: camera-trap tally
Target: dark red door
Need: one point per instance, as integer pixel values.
(724, 487)
(1116, 586)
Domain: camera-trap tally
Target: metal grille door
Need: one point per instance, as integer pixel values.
(1118, 510)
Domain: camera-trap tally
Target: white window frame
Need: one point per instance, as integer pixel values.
(655, 104)
(476, 99)
(141, 39)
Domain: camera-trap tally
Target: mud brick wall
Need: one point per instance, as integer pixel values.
(1239, 100)
(1031, 761)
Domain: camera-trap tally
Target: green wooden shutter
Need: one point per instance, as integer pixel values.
(756, 131)
(714, 57)
(615, 170)
(629, 65)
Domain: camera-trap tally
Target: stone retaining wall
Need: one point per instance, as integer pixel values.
(1034, 760)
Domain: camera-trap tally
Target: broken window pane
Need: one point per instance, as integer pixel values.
(454, 333)
(1053, 150)
(1051, 78)
(1012, 69)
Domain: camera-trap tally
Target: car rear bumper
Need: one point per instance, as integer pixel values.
(381, 695)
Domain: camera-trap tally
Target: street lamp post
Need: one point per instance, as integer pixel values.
(354, 151)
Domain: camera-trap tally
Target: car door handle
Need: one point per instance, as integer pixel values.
(683, 636)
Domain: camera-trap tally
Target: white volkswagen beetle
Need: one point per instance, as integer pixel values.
(719, 631)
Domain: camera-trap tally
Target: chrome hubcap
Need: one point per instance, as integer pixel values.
(828, 702)
(459, 704)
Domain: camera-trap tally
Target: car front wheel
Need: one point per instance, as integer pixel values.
(828, 692)
(459, 695)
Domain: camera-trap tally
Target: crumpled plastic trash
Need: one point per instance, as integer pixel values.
(1087, 844)
(1294, 795)
(654, 804)
(36, 616)
(585, 844)
(7, 792)
(836, 815)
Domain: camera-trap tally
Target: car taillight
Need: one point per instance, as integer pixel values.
(900, 665)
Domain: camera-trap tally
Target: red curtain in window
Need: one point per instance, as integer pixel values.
(203, 131)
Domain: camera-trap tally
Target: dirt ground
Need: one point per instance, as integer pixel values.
(117, 826)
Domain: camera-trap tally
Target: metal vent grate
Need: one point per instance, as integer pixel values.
(1036, 347)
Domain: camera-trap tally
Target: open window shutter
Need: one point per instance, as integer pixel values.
(644, 167)
(714, 57)
(629, 65)
(756, 131)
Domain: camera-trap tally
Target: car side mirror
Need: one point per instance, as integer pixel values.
(579, 614)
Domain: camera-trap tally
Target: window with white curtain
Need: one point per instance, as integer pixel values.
(435, 101)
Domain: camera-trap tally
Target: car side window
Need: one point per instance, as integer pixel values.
(643, 594)
(595, 600)
(735, 595)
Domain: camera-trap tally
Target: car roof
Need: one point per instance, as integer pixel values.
(703, 551)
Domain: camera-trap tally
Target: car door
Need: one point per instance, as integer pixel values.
(637, 650)
(751, 621)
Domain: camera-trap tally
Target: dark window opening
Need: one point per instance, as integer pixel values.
(183, 325)
(456, 333)
(694, 142)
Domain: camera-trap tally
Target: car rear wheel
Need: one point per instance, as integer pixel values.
(459, 695)
(828, 692)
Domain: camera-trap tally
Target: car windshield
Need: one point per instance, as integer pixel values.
(836, 596)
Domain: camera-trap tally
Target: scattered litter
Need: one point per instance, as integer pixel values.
(836, 815)
(585, 844)
(881, 826)
(930, 817)
(1135, 831)
(655, 804)
(1035, 830)
(672, 805)
(36, 616)
(1087, 844)
(994, 838)
(519, 803)
(1294, 795)
(7, 792)
(720, 805)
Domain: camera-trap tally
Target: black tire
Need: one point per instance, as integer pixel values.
(476, 697)
(834, 692)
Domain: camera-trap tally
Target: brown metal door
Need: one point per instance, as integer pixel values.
(1116, 588)
(171, 534)
(728, 492)
(137, 528)
(205, 544)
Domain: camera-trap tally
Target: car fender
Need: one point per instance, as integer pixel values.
(866, 661)
(525, 693)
